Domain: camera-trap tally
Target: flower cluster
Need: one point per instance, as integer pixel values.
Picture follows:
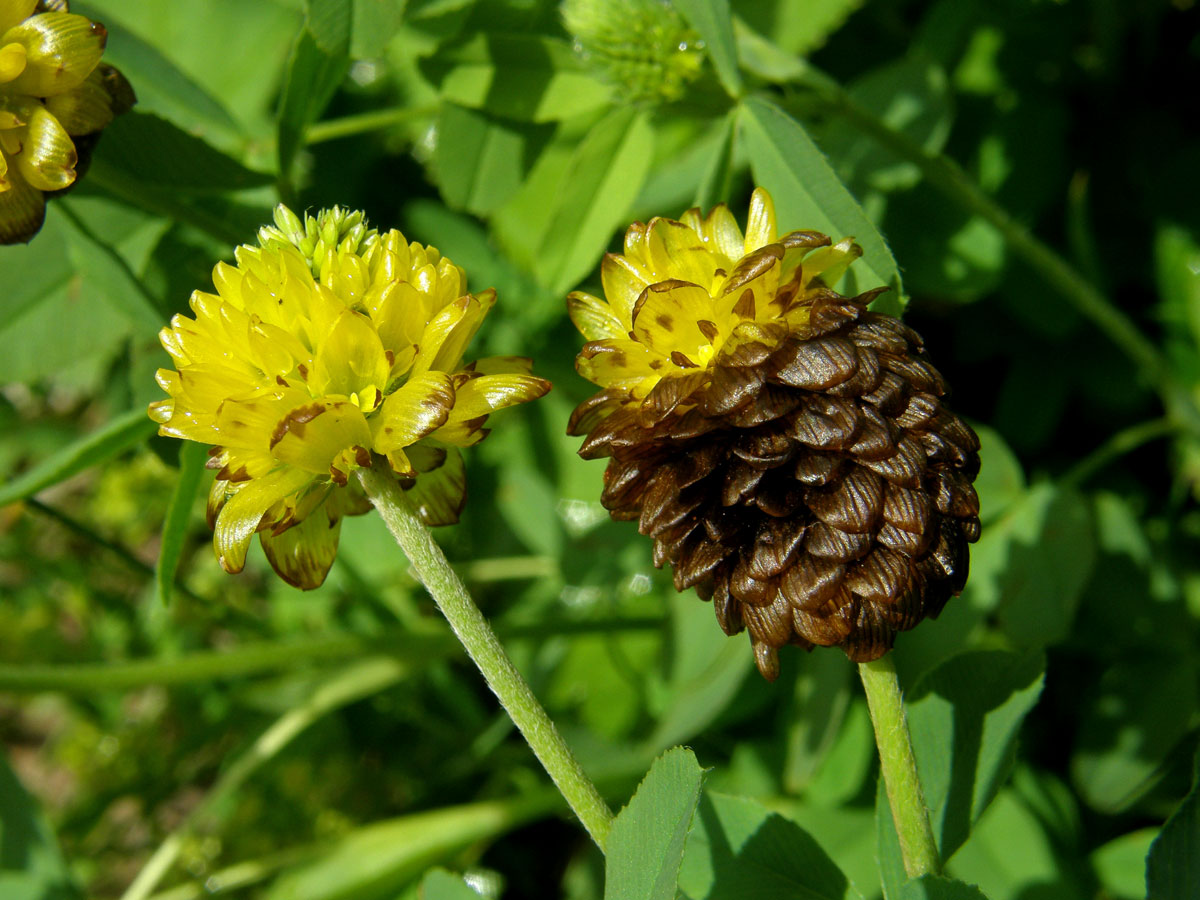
(55, 96)
(325, 345)
(788, 450)
(644, 48)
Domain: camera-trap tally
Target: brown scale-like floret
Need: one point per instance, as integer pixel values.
(810, 482)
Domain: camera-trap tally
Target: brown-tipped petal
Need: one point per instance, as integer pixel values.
(819, 364)
(303, 554)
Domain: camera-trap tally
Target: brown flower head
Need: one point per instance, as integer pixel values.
(788, 450)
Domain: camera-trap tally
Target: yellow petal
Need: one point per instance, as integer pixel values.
(622, 363)
(84, 109)
(250, 423)
(830, 263)
(488, 393)
(399, 312)
(240, 515)
(47, 160)
(752, 287)
(667, 319)
(449, 356)
(721, 229)
(303, 554)
(351, 361)
(594, 318)
(325, 437)
(13, 12)
(760, 229)
(12, 61)
(679, 252)
(435, 333)
(417, 408)
(62, 50)
(623, 284)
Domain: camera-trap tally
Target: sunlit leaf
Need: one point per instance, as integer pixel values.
(809, 195)
(645, 846)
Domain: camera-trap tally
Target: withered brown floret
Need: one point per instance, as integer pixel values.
(810, 479)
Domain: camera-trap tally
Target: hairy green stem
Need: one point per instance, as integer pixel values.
(948, 177)
(899, 767)
(360, 680)
(485, 650)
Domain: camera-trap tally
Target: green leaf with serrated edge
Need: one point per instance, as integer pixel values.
(714, 23)
(738, 848)
(438, 884)
(118, 435)
(529, 78)
(31, 864)
(934, 887)
(964, 717)
(377, 860)
(318, 63)
(714, 186)
(645, 845)
(160, 155)
(809, 195)
(192, 457)
(1131, 723)
(1173, 865)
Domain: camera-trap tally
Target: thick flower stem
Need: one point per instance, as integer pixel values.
(899, 766)
(486, 651)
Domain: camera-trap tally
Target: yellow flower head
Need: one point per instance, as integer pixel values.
(323, 345)
(52, 89)
(686, 294)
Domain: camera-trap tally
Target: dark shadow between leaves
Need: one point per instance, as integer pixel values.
(778, 859)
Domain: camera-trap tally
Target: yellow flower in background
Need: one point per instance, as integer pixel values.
(789, 451)
(53, 89)
(325, 344)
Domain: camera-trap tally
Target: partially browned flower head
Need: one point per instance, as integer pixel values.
(55, 98)
(787, 450)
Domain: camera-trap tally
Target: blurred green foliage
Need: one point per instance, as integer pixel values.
(1055, 705)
